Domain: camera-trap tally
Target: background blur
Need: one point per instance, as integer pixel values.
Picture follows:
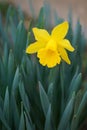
(78, 7)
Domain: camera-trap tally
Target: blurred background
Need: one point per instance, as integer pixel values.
(62, 7)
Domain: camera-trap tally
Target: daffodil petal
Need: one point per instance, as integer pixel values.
(64, 55)
(60, 31)
(34, 47)
(48, 57)
(66, 44)
(41, 34)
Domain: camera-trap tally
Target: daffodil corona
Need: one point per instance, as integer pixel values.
(51, 48)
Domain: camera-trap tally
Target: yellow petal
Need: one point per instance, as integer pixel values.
(34, 47)
(60, 31)
(64, 55)
(66, 44)
(48, 57)
(41, 34)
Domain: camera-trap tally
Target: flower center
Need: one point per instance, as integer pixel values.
(51, 46)
(50, 52)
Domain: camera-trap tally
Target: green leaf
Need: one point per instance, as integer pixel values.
(73, 80)
(56, 97)
(14, 111)
(77, 35)
(48, 122)
(50, 91)
(3, 78)
(6, 105)
(53, 74)
(2, 32)
(21, 14)
(28, 39)
(8, 15)
(16, 80)
(20, 42)
(24, 97)
(75, 84)
(76, 117)
(5, 55)
(22, 121)
(44, 99)
(13, 30)
(70, 31)
(62, 78)
(47, 15)
(1, 102)
(82, 104)
(67, 114)
(2, 118)
(10, 68)
(77, 42)
(28, 125)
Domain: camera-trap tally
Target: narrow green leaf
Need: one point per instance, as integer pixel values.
(14, 110)
(47, 15)
(21, 14)
(20, 42)
(28, 39)
(6, 105)
(12, 29)
(67, 114)
(56, 100)
(1, 102)
(77, 42)
(77, 115)
(73, 80)
(10, 68)
(25, 100)
(44, 99)
(75, 85)
(5, 55)
(2, 31)
(77, 35)
(53, 74)
(9, 11)
(15, 80)
(2, 118)
(22, 121)
(70, 31)
(3, 78)
(48, 123)
(82, 104)
(62, 78)
(24, 97)
(28, 125)
(50, 92)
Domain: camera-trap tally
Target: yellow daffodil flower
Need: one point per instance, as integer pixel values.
(51, 49)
